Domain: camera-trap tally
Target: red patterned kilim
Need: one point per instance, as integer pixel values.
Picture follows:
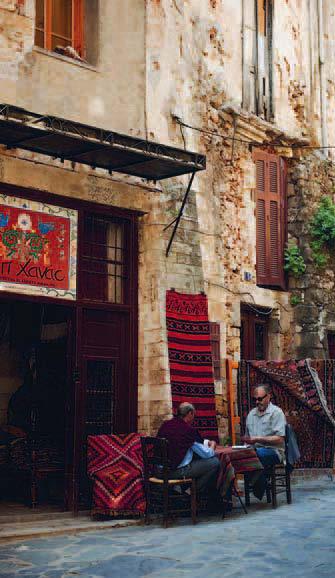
(234, 462)
(306, 397)
(190, 357)
(115, 464)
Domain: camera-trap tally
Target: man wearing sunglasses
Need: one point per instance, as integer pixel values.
(265, 430)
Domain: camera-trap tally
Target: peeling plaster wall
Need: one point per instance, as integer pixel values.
(110, 95)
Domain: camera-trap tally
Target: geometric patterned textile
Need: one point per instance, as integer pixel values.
(115, 464)
(234, 462)
(304, 390)
(190, 357)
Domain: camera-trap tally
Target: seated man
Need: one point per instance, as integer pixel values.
(189, 457)
(265, 429)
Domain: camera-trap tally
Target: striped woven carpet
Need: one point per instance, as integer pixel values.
(190, 357)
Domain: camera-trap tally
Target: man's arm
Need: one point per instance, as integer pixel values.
(266, 440)
(202, 451)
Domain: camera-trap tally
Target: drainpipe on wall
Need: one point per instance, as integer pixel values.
(323, 101)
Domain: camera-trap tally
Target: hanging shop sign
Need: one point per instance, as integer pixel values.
(38, 248)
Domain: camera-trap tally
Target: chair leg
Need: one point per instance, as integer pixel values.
(268, 490)
(247, 491)
(147, 518)
(194, 502)
(33, 492)
(274, 490)
(166, 505)
(237, 495)
(288, 487)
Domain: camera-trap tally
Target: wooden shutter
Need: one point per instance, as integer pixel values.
(270, 220)
(249, 57)
(78, 26)
(214, 329)
(264, 57)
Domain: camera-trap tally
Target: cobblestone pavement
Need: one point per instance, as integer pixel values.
(295, 540)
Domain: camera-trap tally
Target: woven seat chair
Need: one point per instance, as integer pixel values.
(278, 480)
(161, 491)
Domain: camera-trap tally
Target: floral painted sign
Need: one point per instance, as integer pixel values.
(38, 245)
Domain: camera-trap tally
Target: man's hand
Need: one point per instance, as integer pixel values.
(212, 444)
(249, 440)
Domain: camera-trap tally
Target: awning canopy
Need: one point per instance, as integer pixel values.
(64, 139)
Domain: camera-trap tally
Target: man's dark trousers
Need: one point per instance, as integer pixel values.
(203, 470)
(267, 457)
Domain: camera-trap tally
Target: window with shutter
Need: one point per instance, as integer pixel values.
(257, 57)
(264, 58)
(270, 219)
(59, 26)
(214, 329)
(254, 333)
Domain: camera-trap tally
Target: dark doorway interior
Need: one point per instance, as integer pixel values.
(34, 369)
(331, 344)
(254, 333)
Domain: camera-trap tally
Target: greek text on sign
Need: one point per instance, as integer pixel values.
(37, 248)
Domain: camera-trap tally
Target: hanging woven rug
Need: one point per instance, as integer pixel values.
(190, 357)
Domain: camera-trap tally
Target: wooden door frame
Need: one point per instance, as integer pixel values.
(250, 318)
(79, 304)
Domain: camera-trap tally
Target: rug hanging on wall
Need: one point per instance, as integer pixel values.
(305, 391)
(190, 358)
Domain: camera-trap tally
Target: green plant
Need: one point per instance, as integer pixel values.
(295, 300)
(225, 440)
(293, 260)
(322, 227)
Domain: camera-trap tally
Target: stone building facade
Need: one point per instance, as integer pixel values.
(242, 76)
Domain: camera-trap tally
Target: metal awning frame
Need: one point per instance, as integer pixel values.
(59, 138)
(179, 216)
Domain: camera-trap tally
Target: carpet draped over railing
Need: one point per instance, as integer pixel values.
(190, 357)
(305, 390)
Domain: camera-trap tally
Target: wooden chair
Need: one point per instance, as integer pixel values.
(161, 491)
(278, 480)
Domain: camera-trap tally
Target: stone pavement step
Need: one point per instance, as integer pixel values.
(312, 474)
(65, 525)
(35, 517)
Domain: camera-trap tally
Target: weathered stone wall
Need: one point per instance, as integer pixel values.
(310, 178)
(161, 58)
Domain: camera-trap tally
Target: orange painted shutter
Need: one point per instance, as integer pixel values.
(78, 26)
(214, 329)
(270, 223)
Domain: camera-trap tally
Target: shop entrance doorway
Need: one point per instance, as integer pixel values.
(35, 360)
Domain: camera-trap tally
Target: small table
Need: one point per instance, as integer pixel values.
(232, 462)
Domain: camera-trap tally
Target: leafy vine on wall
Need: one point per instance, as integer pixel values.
(322, 228)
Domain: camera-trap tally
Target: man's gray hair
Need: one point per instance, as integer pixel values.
(185, 408)
(264, 386)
